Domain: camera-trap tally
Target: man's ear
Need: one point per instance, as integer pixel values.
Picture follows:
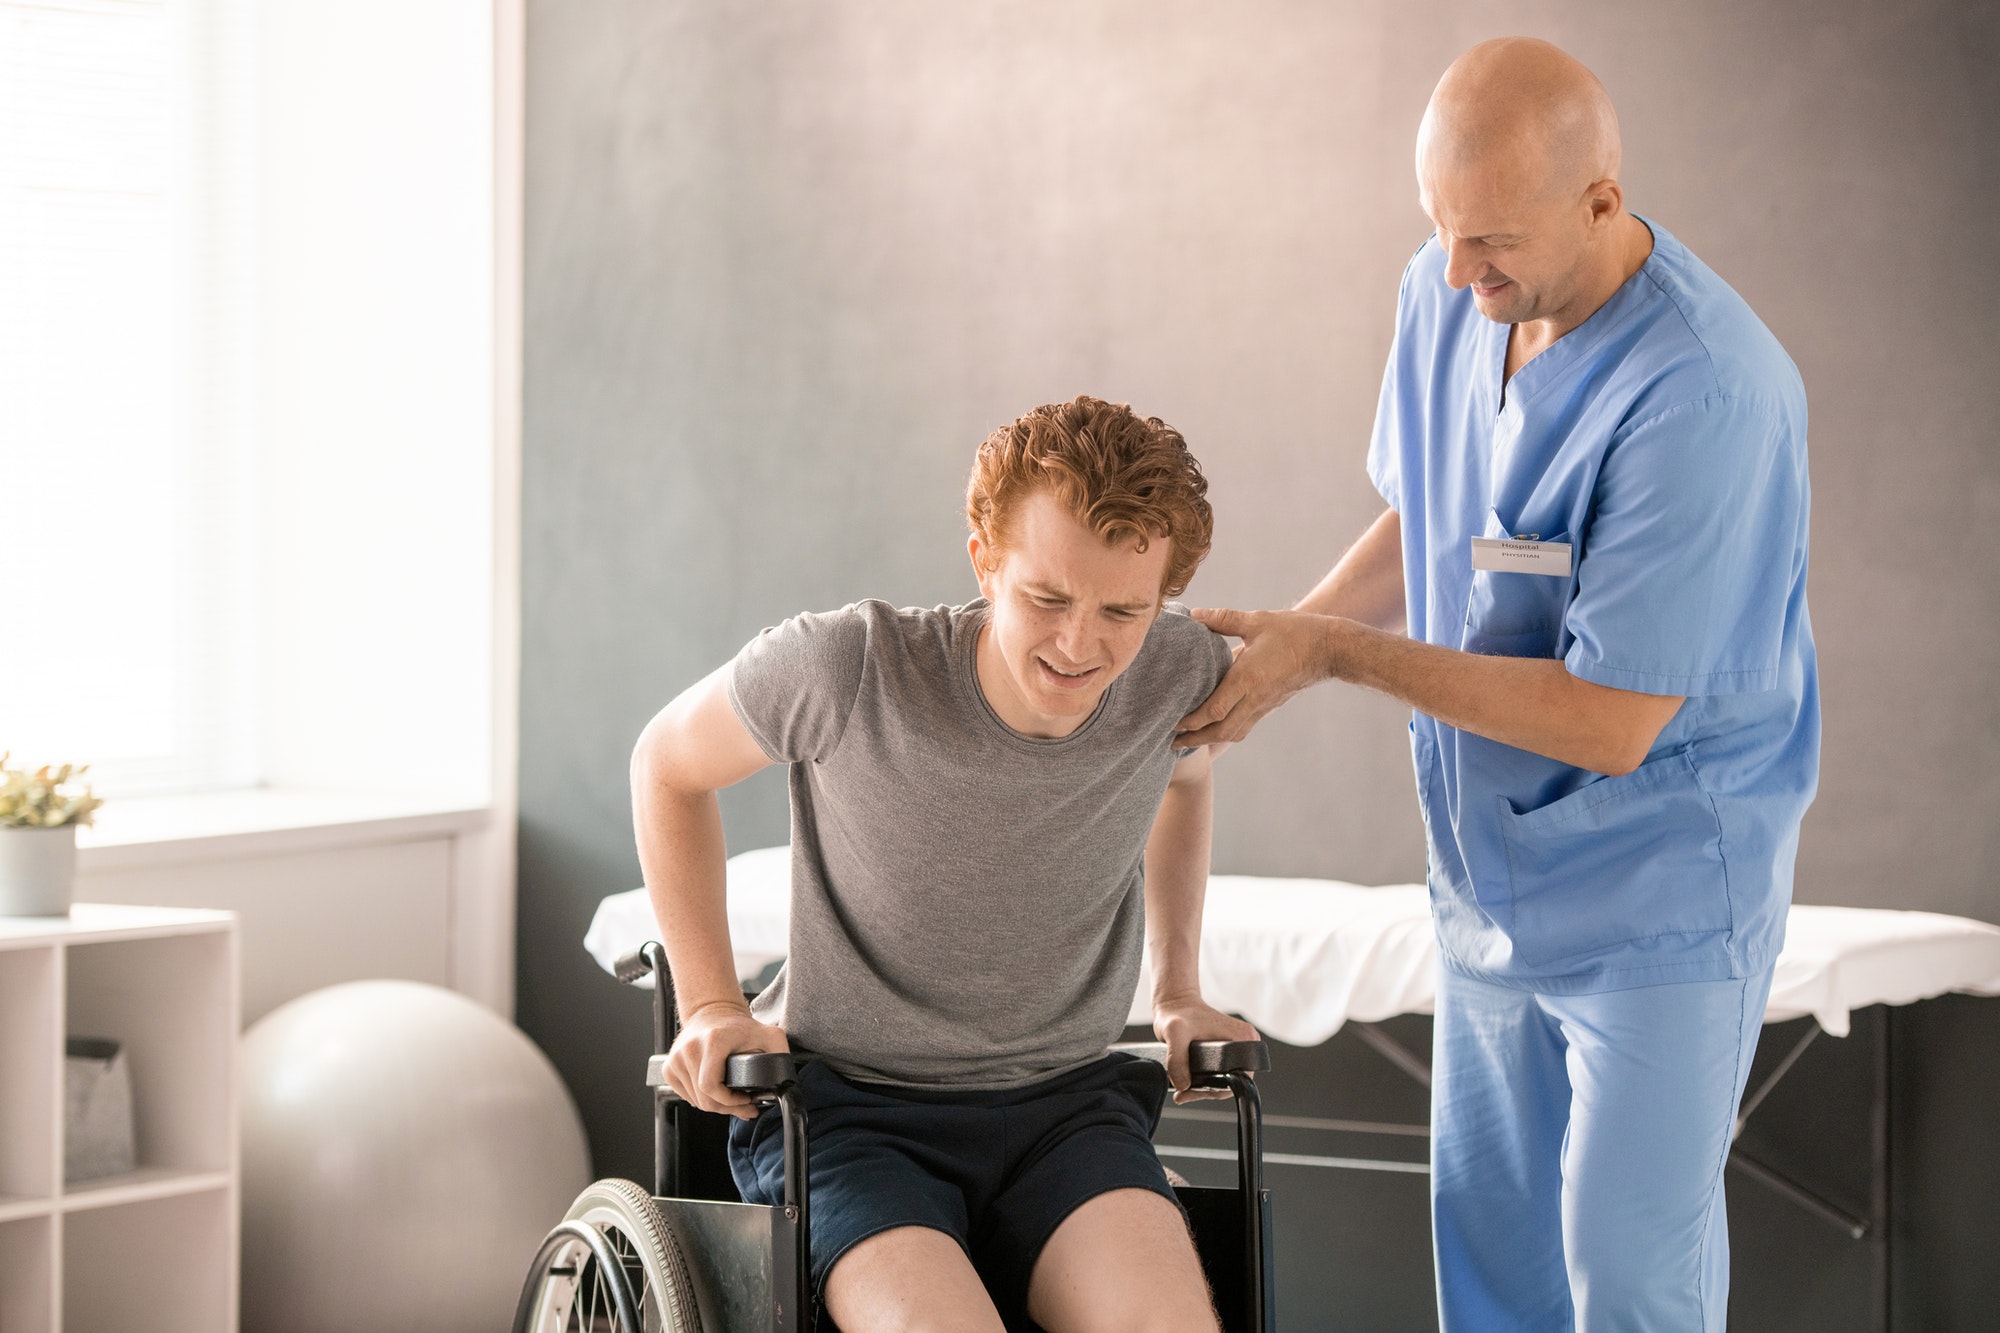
(1606, 199)
(979, 553)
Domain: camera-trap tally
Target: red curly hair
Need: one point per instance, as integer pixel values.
(1121, 475)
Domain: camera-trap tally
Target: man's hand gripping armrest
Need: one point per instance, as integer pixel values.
(1177, 854)
(692, 749)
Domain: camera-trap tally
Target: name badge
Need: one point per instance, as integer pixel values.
(1515, 556)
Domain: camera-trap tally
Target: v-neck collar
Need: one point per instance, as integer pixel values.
(1549, 363)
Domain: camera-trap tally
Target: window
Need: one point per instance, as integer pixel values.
(127, 390)
(247, 424)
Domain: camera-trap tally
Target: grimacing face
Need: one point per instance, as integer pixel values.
(1070, 613)
(1522, 252)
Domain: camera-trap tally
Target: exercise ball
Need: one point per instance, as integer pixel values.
(404, 1152)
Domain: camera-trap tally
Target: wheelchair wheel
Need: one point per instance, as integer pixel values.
(570, 1292)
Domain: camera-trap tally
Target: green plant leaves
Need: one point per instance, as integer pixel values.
(38, 799)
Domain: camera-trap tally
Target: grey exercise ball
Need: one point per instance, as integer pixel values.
(404, 1151)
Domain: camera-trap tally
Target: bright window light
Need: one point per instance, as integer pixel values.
(246, 393)
(126, 391)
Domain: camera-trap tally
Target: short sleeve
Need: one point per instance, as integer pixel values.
(1384, 460)
(1204, 658)
(1209, 661)
(794, 685)
(1692, 553)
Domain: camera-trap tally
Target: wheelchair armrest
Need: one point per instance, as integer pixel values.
(757, 1073)
(1206, 1059)
(1212, 1059)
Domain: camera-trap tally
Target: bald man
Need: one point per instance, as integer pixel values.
(1590, 585)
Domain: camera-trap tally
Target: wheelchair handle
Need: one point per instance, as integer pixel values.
(1214, 1059)
(636, 966)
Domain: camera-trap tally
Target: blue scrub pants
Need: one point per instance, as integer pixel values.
(1577, 1150)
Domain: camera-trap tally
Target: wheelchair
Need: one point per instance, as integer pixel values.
(629, 1260)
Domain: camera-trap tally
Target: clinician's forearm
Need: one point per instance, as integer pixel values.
(1366, 584)
(1177, 855)
(681, 854)
(1532, 704)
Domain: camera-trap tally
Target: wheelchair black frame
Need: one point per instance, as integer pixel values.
(773, 1079)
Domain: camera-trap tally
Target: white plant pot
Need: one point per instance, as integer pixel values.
(37, 870)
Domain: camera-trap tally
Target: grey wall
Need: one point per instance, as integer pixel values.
(789, 262)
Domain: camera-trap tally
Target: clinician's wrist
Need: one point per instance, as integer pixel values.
(1329, 646)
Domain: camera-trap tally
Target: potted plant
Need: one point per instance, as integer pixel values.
(39, 812)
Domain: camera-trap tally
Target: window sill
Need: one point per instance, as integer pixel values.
(230, 825)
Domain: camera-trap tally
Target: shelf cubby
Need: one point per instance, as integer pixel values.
(151, 1265)
(167, 1002)
(154, 1248)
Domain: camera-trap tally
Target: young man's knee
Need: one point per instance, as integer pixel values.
(909, 1280)
(1124, 1261)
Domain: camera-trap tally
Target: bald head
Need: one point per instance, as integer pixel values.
(1522, 111)
(1517, 166)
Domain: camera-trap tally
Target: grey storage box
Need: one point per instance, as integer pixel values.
(97, 1110)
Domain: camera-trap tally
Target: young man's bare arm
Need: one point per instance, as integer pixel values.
(692, 748)
(1177, 853)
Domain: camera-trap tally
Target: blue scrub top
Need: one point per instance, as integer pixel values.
(1665, 440)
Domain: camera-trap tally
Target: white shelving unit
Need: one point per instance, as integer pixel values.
(155, 1248)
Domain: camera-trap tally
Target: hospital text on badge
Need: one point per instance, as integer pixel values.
(1503, 555)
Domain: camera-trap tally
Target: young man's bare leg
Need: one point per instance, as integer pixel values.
(1122, 1263)
(909, 1280)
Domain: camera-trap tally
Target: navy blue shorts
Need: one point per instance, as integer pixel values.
(996, 1171)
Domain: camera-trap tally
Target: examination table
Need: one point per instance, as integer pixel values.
(1301, 958)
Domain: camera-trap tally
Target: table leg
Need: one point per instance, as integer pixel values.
(1882, 1239)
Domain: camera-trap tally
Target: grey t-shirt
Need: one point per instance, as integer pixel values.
(967, 901)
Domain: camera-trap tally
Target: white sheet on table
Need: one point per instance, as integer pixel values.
(760, 915)
(1300, 957)
(1838, 959)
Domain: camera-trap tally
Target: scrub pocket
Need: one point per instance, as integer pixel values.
(1623, 859)
(1511, 613)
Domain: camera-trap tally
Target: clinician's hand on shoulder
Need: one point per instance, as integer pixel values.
(1181, 1019)
(709, 1036)
(1279, 656)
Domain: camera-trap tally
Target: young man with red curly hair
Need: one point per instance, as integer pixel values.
(990, 825)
